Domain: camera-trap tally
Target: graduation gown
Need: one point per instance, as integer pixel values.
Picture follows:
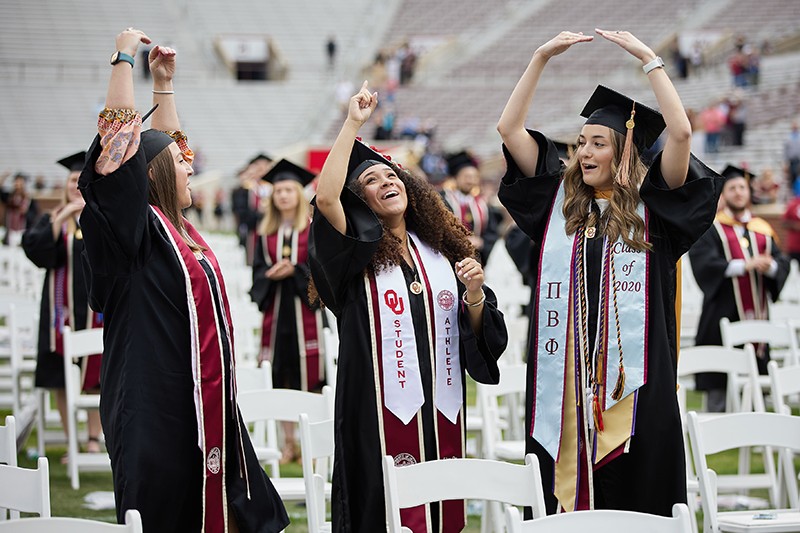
(147, 405)
(719, 300)
(478, 217)
(285, 350)
(50, 253)
(677, 218)
(337, 266)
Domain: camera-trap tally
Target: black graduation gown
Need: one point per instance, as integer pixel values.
(147, 405)
(677, 218)
(46, 252)
(285, 352)
(708, 266)
(337, 266)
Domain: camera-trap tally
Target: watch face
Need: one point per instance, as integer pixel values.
(114, 57)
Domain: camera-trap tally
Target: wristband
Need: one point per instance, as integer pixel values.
(654, 64)
(476, 304)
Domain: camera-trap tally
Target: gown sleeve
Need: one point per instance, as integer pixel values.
(263, 289)
(529, 198)
(682, 215)
(481, 352)
(709, 264)
(40, 246)
(775, 284)
(335, 259)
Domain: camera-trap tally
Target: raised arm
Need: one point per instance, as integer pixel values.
(162, 68)
(334, 172)
(675, 159)
(511, 126)
(120, 86)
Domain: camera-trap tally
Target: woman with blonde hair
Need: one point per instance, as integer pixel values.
(291, 332)
(601, 409)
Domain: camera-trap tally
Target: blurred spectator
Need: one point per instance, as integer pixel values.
(791, 221)
(737, 117)
(38, 183)
(679, 60)
(408, 62)
(698, 134)
(765, 188)
(791, 153)
(21, 210)
(330, 49)
(713, 119)
(384, 118)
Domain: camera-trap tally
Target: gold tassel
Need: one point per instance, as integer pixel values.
(597, 413)
(616, 394)
(623, 174)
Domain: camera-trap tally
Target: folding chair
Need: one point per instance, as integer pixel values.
(316, 445)
(8, 442)
(460, 479)
(602, 521)
(778, 334)
(731, 431)
(25, 490)
(133, 524)
(286, 405)
(78, 345)
(785, 383)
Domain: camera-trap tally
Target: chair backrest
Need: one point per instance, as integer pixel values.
(743, 430)
(457, 479)
(8, 442)
(602, 521)
(316, 446)
(133, 524)
(785, 381)
(25, 490)
(511, 386)
(775, 333)
(285, 405)
(252, 378)
(738, 363)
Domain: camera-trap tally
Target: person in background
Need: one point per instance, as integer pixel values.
(604, 353)
(21, 211)
(292, 331)
(180, 451)
(739, 268)
(55, 243)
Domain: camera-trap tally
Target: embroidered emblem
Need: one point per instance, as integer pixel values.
(394, 302)
(446, 300)
(404, 459)
(214, 460)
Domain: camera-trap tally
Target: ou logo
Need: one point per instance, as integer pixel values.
(394, 302)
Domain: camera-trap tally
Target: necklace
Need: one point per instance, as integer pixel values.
(416, 286)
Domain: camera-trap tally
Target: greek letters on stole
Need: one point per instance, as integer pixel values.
(557, 295)
(398, 383)
(210, 389)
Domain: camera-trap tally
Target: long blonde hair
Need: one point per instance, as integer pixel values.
(272, 217)
(620, 219)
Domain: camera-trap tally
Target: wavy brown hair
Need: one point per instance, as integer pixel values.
(620, 219)
(163, 193)
(428, 217)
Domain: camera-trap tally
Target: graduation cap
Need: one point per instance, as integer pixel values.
(260, 157)
(286, 170)
(74, 162)
(609, 108)
(731, 172)
(565, 150)
(361, 158)
(153, 143)
(459, 160)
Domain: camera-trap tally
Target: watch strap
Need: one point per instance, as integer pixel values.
(122, 56)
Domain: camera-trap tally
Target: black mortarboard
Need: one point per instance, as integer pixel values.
(731, 172)
(565, 150)
(361, 158)
(286, 170)
(73, 162)
(154, 142)
(259, 157)
(459, 160)
(609, 108)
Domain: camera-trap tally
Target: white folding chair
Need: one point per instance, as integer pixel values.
(316, 446)
(78, 345)
(8, 442)
(25, 490)
(502, 437)
(785, 383)
(731, 431)
(460, 479)
(23, 331)
(781, 337)
(286, 405)
(133, 524)
(602, 521)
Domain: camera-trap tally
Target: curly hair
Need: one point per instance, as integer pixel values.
(428, 217)
(620, 219)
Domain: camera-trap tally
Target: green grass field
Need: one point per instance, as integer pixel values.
(68, 502)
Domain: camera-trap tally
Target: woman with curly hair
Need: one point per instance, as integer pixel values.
(398, 271)
(602, 412)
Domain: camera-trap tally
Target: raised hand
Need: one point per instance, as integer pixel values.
(561, 42)
(628, 42)
(470, 272)
(162, 63)
(128, 41)
(362, 104)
